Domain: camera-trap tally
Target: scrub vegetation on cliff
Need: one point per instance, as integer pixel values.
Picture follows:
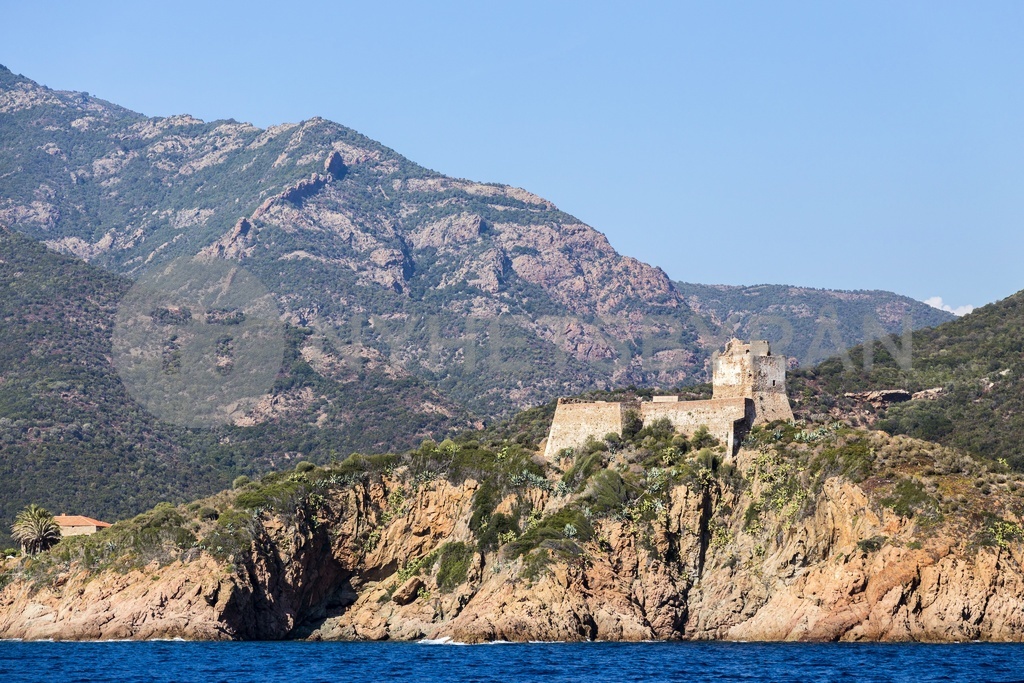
(642, 535)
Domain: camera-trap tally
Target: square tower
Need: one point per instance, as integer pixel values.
(751, 371)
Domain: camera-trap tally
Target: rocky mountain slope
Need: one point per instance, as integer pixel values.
(73, 439)
(814, 532)
(487, 292)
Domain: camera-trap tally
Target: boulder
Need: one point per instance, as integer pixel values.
(408, 591)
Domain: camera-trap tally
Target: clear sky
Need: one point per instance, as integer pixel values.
(853, 145)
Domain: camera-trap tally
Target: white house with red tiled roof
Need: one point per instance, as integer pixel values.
(77, 525)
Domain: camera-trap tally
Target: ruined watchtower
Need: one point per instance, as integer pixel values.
(749, 389)
(751, 371)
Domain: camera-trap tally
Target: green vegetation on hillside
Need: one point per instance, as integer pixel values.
(557, 512)
(808, 324)
(72, 439)
(977, 363)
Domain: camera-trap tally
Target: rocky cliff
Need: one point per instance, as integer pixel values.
(486, 291)
(812, 533)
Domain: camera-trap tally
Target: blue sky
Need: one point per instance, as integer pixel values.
(855, 145)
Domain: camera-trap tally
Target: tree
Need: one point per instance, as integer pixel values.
(36, 530)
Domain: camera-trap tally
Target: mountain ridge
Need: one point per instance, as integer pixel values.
(379, 235)
(444, 301)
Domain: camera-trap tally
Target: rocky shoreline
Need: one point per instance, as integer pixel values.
(385, 556)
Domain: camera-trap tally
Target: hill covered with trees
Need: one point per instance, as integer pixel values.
(974, 364)
(72, 438)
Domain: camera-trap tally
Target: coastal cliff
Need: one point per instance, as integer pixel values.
(813, 533)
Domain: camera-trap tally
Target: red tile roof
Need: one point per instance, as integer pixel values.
(79, 520)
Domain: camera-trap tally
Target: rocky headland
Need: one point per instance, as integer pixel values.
(818, 532)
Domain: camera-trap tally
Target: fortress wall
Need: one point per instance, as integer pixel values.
(771, 407)
(749, 389)
(574, 422)
(719, 415)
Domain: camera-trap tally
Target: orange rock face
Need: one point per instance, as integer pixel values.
(367, 564)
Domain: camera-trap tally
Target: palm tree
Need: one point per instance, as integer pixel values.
(36, 530)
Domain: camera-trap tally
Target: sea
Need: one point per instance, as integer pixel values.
(426, 662)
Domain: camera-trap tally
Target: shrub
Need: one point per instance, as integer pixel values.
(752, 516)
(919, 419)
(853, 459)
(908, 497)
(658, 430)
(702, 438)
(207, 513)
(499, 526)
(631, 425)
(241, 481)
(870, 545)
(163, 515)
(453, 566)
(553, 528)
(535, 564)
(231, 535)
(485, 500)
(304, 466)
(607, 492)
(581, 470)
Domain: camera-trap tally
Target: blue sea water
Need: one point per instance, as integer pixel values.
(302, 662)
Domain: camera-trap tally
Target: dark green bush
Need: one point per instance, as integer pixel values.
(207, 513)
(854, 459)
(535, 564)
(702, 438)
(453, 566)
(631, 425)
(660, 430)
(498, 524)
(751, 516)
(908, 497)
(582, 469)
(485, 500)
(870, 545)
(919, 419)
(553, 528)
(607, 492)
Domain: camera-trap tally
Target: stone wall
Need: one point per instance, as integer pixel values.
(719, 415)
(749, 389)
(574, 422)
(732, 376)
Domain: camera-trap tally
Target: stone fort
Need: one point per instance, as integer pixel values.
(749, 389)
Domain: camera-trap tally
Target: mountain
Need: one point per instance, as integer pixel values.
(487, 293)
(821, 533)
(966, 376)
(807, 324)
(414, 304)
(73, 439)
